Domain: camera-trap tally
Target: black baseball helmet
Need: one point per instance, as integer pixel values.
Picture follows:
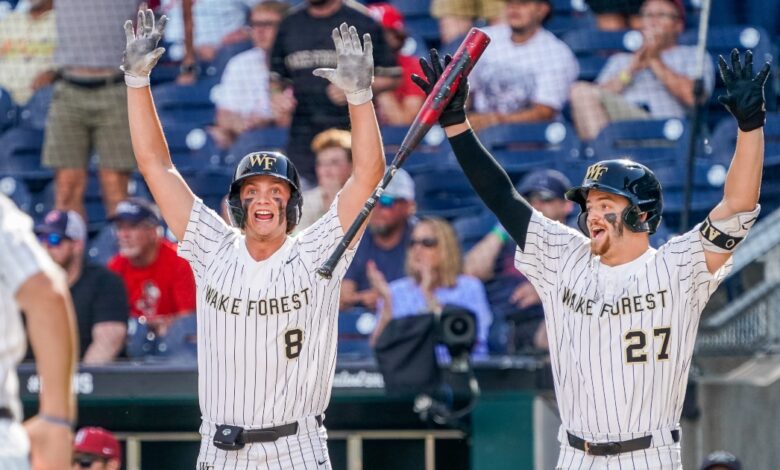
(626, 178)
(265, 163)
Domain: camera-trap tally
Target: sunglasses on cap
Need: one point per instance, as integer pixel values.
(51, 239)
(86, 460)
(426, 242)
(387, 201)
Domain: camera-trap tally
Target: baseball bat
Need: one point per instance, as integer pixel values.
(468, 53)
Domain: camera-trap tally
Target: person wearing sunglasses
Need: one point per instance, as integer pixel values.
(655, 82)
(96, 449)
(98, 294)
(385, 243)
(434, 278)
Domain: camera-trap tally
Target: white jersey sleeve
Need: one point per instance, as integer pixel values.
(548, 245)
(22, 255)
(206, 232)
(320, 239)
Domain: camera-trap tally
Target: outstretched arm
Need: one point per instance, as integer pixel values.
(745, 100)
(170, 192)
(354, 74)
(486, 176)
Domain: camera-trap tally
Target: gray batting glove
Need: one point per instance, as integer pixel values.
(354, 70)
(141, 52)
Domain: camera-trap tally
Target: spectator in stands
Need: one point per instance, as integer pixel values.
(456, 17)
(399, 106)
(333, 150)
(384, 243)
(89, 109)
(27, 40)
(525, 74)
(98, 294)
(518, 316)
(298, 50)
(159, 284)
(243, 97)
(616, 15)
(652, 83)
(96, 449)
(721, 460)
(434, 278)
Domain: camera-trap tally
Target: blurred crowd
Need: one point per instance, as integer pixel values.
(254, 59)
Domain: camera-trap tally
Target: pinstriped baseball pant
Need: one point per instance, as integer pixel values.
(307, 450)
(654, 458)
(14, 446)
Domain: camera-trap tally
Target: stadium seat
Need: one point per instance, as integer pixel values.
(35, 112)
(445, 192)
(267, 138)
(210, 186)
(523, 147)
(20, 154)
(472, 228)
(190, 104)
(192, 149)
(355, 327)
(432, 152)
(8, 110)
(17, 191)
(724, 138)
(424, 27)
(568, 15)
(180, 342)
(651, 142)
(93, 203)
(593, 47)
(223, 56)
(103, 246)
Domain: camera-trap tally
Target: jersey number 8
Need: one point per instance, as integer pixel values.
(293, 341)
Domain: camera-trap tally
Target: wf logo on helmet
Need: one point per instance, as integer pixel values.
(594, 172)
(263, 160)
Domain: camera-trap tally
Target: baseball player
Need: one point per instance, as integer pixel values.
(267, 324)
(31, 282)
(622, 317)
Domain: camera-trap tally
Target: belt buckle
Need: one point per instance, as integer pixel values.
(587, 448)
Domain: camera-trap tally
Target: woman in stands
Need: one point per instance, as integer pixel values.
(434, 278)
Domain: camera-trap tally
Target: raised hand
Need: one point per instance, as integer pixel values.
(455, 111)
(141, 51)
(354, 70)
(744, 96)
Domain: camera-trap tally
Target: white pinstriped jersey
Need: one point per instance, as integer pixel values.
(266, 329)
(21, 256)
(621, 338)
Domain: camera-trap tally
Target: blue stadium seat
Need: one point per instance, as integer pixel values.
(424, 27)
(472, 228)
(35, 112)
(180, 343)
(355, 327)
(43, 202)
(17, 191)
(8, 110)
(523, 147)
(20, 154)
(103, 246)
(651, 142)
(410, 8)
(445, 192)
(432, 152)
(724, 138)
(192, 149)
(223, 56)
(268, 138)
(190, 104)
(568, 15)
(593, 47)
(210, 186)
(93, 203)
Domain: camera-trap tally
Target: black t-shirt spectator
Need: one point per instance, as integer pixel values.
(303, 44)
(99, 296)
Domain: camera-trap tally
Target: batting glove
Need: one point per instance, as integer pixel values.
(744, 96)
(455, 111)
(141, 52)
(354, 70)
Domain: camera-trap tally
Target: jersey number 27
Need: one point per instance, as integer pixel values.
(636, 344)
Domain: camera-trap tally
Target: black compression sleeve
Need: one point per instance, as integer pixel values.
(493, 185)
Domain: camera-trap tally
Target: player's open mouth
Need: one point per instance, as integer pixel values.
(596, 232)
(263, 216)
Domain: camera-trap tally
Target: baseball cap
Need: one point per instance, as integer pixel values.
(135, 210)
(97, 441)
(388, 16)
(401, 186)
(547, 184)
(67, 224)
(722, 458)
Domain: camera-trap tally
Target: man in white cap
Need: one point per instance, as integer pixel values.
(389, 230)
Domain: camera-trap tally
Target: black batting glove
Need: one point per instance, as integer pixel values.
(744, 96)
(455, 111)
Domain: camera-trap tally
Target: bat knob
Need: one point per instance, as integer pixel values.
(325, 273)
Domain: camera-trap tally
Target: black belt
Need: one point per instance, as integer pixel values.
(92, 82)
(5, 413)
(228, 437)
(614, 448)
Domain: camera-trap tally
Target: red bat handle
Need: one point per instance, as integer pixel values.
(469, 51)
